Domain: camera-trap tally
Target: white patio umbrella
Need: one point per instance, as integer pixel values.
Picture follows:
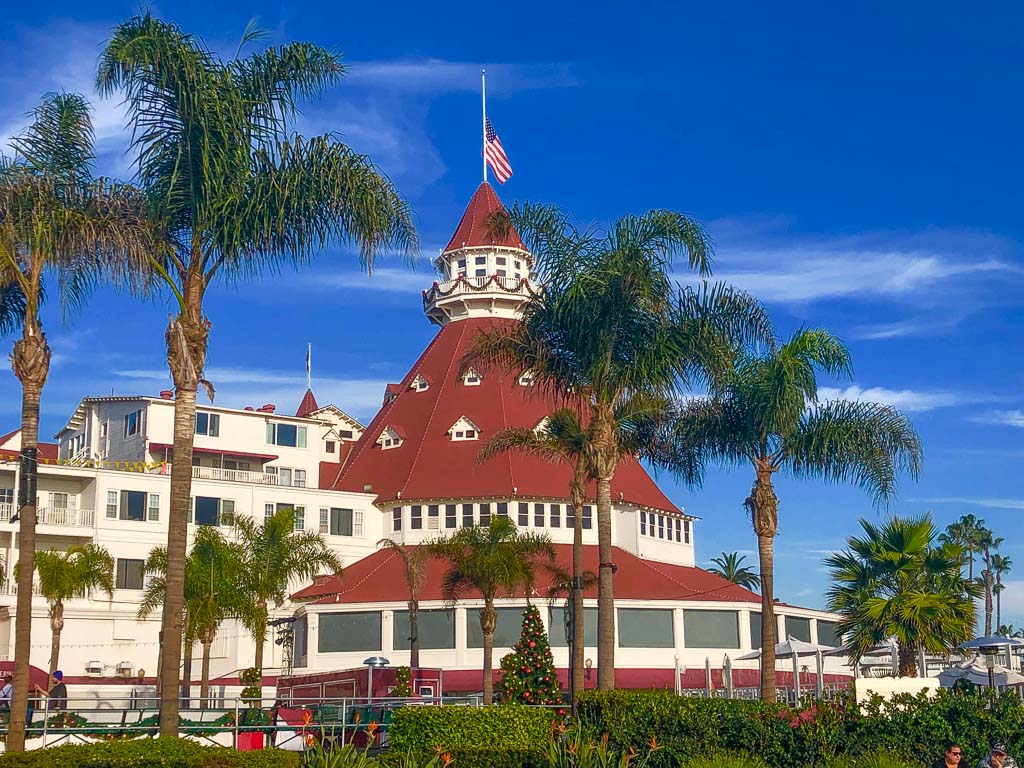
(976, 671)
(727, 672)
(707, 676)
(793, 649)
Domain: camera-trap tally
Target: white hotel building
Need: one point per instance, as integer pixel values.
(411, 474)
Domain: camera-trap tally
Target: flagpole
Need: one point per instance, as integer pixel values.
(483, 105)
(309, 365)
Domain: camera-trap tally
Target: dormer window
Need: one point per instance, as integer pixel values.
(391, 437)
(480, 260)
(471, 378)
(542, 426)
(526, 379)
(464, 429)
(419, 384)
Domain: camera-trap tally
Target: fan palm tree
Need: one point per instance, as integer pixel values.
(238, 195)
(615, 338)
(767, 415)
(562, 438)
(211, 572)
(274, 556)
(414, 561)
(731, 568)
(54, 217)
(1001, 565)
(986, 542)
(489, 560)
(63, 576)
(897, 581)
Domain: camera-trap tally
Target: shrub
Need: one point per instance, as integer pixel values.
(725, 760)
(875, 759)
(506, 736)
(148, 753)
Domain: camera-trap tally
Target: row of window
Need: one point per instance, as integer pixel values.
(428, 516)
(664, 527)
(361, 631)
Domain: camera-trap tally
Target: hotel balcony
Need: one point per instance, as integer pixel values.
(230, 475)
(63, 517)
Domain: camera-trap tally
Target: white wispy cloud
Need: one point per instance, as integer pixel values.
(1011, 418)
(901, 399)
(434, 75)
(239, 387)
(385, 279)
(977, 501)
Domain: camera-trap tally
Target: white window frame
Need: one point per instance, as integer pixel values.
(153, 508)
(419, 384)
(300, 435)
(212, 424)
(113, 504)
(471, 378)
(138, 423)
(389, 438)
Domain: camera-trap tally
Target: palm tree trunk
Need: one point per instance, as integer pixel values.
(970, 578)
(764, 512)
(999, 600)
(56, 626)
(578, 493)
(488, 622)
(988, 592)
(414, 634)
(186, 338)
(605, 588)
(31, 363)
(204, 682)
(907, 660)
(186, 674)
(259, 636)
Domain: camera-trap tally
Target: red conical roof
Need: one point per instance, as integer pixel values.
(308, 404)
(430, 465)
(472, 230)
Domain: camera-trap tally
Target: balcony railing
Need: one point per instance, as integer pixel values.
(62, 516)
(232, 475)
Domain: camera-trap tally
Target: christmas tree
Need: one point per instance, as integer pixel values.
(529, 670)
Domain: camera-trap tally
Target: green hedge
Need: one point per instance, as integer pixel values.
(506, 736)
(914, 727)
(148, 753)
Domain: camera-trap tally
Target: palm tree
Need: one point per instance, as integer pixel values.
(414, 560)
(562, 438)
(614, 337)
(965, 532)
(12, 303)
(489, 560)
(1001, 565)
(896, 581)
(66, 575)
(274, 556)
(1008, 630)
(53, 217)
(211, 572)
(768, 415)
(986, 542)
(731, 568)
(238, 194)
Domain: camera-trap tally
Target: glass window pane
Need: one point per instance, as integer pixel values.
(287, 435)
(556, 515)
(645, 628)
(711, 629)
(300, 642)
(467, 515)
(206, 510)
(556, 627)
(133, 505)
(450, 518)
(355, 631)
(524, 514)
(798, 628)
(416, 517)
(506, 633)
(437, 630)
(588, 518)
(129, 574)
(828, 634)
(538, 515)
(485, 514)
(755, 629)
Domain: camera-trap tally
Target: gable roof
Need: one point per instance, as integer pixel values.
(429, 465)
(380, 578)
(473, 228)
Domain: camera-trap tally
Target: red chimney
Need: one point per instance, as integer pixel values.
(249, 408)
(166, 394)
(269, 408)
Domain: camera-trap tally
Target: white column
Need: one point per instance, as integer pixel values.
(744, 627)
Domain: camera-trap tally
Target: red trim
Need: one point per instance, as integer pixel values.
(213, 451)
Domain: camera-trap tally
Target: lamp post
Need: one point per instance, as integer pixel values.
(378, 662)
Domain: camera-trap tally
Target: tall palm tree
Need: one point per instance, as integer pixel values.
(561, 438)
(63, 576)
(613, 336)
(897, 581)
(768, 415)
(965, 531)
(211, 572)
(489, 560)
(986, 542)
(53, 217)
(414, 561)
(238, 195)
(274, 556)
(12, 302)
(731, 567)
(1001, 565)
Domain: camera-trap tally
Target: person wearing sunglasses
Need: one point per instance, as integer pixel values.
(952, 757)
(997, 758)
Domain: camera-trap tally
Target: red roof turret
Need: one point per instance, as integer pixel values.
(473, 229)
(308, 404)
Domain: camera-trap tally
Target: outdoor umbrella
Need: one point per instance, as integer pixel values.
(992, 641)
(707, 676)
(977, 672)
(793, 649)
(727, 672)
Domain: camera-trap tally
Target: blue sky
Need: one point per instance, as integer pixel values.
(858, 169)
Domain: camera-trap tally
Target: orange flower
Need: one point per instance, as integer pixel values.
(307, 717)
(446, 759)
(653, 744)
(440, 750)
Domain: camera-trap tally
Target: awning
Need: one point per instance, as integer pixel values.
(264, 457)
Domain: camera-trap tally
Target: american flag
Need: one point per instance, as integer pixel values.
(495, 155)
